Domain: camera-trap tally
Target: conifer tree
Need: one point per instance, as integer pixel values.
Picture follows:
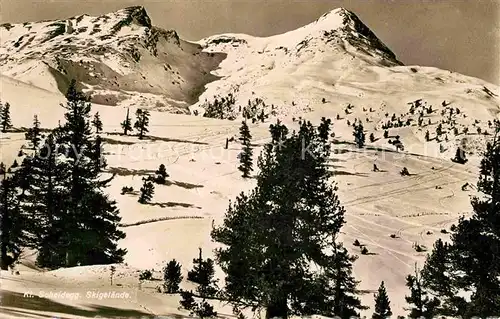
(475, 246)
(200, 309)
(1, 111)
(34, 132)
(203, 273)
(44, 181)
(142, 122)
(172, 276)
(469, 264)
(126, 124)
(436, 280)
(91, 217)
(3, 169)
(278, 132)
(245, 157)
(11, 223)
(6, 122)
(427, 136)
(359, 135)
(147, 191)
(460, 156)
(421, 304)
(382, 304)
(97, 123)
(274, 233)
(324, 129)
(439, 129)
(161, 175)
(97, 156)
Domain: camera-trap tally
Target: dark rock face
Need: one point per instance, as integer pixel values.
(367, 38)
(139, 16)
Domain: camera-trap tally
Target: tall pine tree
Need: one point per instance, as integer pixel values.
(34, 133)
(92, 218)
(142, 122)
(44, 181)
(421, 305)
(246, 162)
(290, 221)
(126, 124)
(12, 236)
(6, 122)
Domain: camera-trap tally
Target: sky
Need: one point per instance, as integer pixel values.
(457, 35)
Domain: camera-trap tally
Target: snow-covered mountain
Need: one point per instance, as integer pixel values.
(334, 67)
(120, 58)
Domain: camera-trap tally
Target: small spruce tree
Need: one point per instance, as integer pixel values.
(142, 122)
(359, 135)
(147, 191)
(460, 156)
(382, 304)
(97, 123)
(35, 132)
(439, 129)
(112, 271)
(172, 277)
(6, 122)
(161, 175)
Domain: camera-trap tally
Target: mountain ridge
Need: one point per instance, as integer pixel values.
(122, 59)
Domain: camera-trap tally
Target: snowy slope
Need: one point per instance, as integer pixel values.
(336, 58)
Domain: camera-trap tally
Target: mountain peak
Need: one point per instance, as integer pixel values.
(137, 15)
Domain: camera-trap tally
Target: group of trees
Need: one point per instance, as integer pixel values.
(55, 202)
(290, 221)
(271, 234)
(221, 107)
(141, 124)
(280, 248)
(469, 265)
(147, 190)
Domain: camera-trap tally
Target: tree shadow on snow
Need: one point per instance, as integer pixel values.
(174, 204)
(183, 184)
(122, 171)
(166, 139)
(345, 173)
